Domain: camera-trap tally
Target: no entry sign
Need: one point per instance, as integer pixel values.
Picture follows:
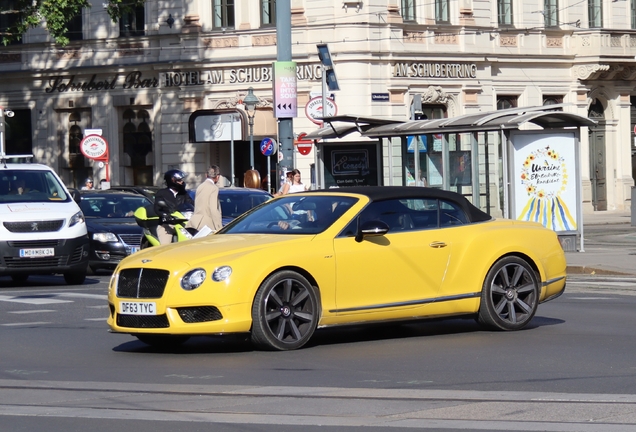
(303, 145)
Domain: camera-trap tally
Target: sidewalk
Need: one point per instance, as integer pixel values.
(609, 245)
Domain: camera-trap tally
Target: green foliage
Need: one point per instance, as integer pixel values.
(54, 15)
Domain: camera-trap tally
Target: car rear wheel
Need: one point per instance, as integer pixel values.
(285, 312)
(162, 341)
(510, 295)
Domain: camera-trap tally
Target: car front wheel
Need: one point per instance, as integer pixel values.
(75, 278)
(285, 312)
(510, 295)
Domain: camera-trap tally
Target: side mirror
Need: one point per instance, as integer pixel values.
(77, 197)
(371, 228)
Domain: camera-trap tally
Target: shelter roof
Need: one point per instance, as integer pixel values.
(545, 117)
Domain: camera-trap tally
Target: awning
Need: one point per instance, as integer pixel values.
(545, 117)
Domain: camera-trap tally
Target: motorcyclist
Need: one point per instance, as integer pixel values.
(166, 202)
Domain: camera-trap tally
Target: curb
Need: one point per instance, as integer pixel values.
(586, 270)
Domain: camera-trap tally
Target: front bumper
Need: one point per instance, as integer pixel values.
(69, 256)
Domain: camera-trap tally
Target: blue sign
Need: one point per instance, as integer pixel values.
(268, 146)
(380, 97)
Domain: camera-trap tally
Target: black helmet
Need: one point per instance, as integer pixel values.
(172, 177)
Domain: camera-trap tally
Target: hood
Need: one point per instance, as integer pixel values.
(114, 225)
(42, 211)
(227, 246)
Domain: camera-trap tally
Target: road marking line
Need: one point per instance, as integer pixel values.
(32, 311)
(83, 295)
(26, 324)
(33, 300)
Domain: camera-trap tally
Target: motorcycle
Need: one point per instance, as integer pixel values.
(149, 221)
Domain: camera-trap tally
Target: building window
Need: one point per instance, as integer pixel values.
(595, 12)
(441, 11)
(9, 19)
(506, 102)
(223, 14)
(137, 139)
(133, 22)
(408, 10)
(552, 100)
(18, 132)
(551, 13)
(504, 12)
(268, 13)
(75, 30)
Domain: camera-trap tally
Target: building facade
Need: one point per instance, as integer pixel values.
(146, 80)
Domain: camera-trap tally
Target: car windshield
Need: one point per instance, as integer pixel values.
(30, 186)
(292, 215)
(107, 206)
(234, 204)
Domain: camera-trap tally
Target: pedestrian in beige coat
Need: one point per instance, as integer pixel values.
(207, 208)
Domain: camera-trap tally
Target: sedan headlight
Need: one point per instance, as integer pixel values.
(105, 237)
(193, 279)
(221, 273)
(76, 218)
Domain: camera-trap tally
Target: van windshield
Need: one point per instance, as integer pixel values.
(30, 186)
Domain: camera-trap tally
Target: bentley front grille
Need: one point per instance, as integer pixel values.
(142, 283)
(143, 321)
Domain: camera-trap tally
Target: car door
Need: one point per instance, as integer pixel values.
(403, 268)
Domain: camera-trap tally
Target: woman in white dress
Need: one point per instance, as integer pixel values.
(293, 185)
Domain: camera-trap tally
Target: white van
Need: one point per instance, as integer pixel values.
(42, 229)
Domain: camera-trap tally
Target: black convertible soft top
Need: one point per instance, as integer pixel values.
(383, 193)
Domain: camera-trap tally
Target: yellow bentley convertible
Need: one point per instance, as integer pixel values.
(334, 257)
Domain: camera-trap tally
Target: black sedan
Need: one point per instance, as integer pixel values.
(112, 230)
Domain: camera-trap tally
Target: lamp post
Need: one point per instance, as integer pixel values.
(250, 102)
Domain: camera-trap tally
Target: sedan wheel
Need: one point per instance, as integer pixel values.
(285, 312)
(510, 295)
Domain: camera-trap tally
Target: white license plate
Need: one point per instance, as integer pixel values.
(35, 253)
(137, 308)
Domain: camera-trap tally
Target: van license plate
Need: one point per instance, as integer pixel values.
(137, 308)
(36, 253)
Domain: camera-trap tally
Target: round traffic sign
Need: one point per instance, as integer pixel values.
(304, 148)
(316, 112)
(268, 146)
(94, 147)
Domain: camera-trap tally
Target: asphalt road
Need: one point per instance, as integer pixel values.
(572, 369)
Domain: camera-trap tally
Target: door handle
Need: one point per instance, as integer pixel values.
(438, 245)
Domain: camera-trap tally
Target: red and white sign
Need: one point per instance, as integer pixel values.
(303, 145)
(94, 147)
(315, 111)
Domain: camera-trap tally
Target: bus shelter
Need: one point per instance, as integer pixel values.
(519, 163)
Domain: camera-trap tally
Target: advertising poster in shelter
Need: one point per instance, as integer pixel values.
(544, 170)
(351, 165)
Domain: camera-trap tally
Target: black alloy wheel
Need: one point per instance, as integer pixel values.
(285, 312)
(510, 295)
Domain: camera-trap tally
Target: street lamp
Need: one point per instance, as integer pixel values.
(250, 102)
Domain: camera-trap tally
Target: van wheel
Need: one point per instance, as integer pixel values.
(19, 278)
(75, 278)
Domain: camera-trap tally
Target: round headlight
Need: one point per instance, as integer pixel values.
(193, 279)
(221, 273)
